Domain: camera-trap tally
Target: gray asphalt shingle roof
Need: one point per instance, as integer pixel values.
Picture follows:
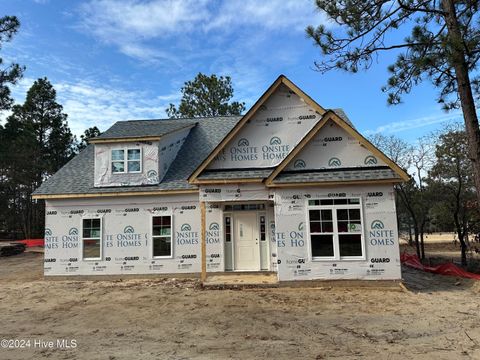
(360, 174)
(139, 128)
(235, 174)
(76, 177)
(344, 116)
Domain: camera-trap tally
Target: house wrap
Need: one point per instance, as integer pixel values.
(289, 187)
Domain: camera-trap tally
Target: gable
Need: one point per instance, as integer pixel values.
(332, 147)
(270, 134)
(221, 154)
(337, 124)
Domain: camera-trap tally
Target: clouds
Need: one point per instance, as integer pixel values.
(272, 15)
(127, 24)
(245, 39)
(108, 19)
(424, 121)
(113, 60)
(175, 30)
(88, 104)
(114, 20)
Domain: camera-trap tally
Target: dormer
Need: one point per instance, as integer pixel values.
(136, 153)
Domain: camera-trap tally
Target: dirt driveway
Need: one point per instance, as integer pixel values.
(166, 319)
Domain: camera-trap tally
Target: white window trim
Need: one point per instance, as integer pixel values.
(125, 160)
(232, 254)
(336, 248)
(267, 239)
(172, 238)
(82, 238)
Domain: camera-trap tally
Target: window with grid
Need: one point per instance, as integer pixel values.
(162, 236)
(228, 229)
(92, 239)
(263, 233)
(126, 161)
(336, 230)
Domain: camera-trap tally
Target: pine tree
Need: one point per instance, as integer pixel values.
(89, 133)
(451, 179)
(443, 47)
(36, 142)
(206, 96)
(9, 75)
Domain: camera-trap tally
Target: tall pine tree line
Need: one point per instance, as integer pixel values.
(34, 143)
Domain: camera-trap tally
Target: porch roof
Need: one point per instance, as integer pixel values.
(233, 174)
(337, 175)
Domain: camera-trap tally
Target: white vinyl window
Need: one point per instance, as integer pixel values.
(162, 236)
(335, 228)
(92, 239)
(126, 161)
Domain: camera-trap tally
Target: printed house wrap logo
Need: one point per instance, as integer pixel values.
(377, 224)
(51, 242)
(212, 236)
(185, 227)
(128, 230)
(152, 176)
(243, 142)
(242, 152)
(70, 241)
(186, 236)
(334, 162)
(299, 164)
(379, 236)
(214, 226)
(129, 238)
(275, 141)
(370, 160)
(275, 150)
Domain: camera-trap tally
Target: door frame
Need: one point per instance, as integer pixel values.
(258, 213)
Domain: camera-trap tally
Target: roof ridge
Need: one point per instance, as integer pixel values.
(177, 119)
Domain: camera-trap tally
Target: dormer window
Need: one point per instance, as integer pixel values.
(126, 161)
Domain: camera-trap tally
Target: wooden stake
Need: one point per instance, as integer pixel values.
(203, 241)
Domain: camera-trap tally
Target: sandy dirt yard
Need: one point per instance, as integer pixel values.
(176, 319)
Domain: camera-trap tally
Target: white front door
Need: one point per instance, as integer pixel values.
(247, 251)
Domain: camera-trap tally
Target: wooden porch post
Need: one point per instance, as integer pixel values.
(203, 276)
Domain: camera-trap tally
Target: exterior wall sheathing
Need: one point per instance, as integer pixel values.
(127, 233)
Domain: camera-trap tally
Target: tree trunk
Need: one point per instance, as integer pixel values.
(464, 90)
(417, 242)
(410, 238)
(422, 245)
(463, 247)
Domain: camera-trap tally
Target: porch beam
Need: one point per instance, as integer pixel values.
(203, 241)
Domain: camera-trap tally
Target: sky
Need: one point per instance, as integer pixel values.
(112, 60)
